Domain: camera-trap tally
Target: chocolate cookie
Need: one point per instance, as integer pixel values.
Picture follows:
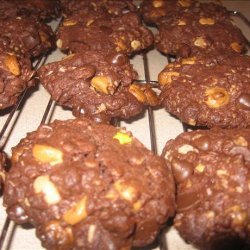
(96, 85)
(203, 30)
(122, 34)
(2, 166)
(113, 7)
(208, 91)
(88, 186)
(212, 172)
(153, 10)
(15, 75)
(38, 9)
(26, 36)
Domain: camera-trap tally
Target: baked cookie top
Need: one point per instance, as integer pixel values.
(96, 85)
(205, 29)
(88, 186)
(32, 39)
(208, 91)
(38, 9)
(113, 7)
(153, 10)
(15, 75)
(212, 172)
(121, 34)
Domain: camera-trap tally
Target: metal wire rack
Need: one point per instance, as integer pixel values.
(8, 226)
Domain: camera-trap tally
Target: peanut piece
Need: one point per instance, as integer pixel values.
(12, 64)
(165, 77)
(157, 3)
(91, 233)
(47, 154)
(43, 184)
(186, 148)
(200, 42)
(123, 138)
(136, 91)
(77, 213)
(236, 47)
(189, 61)
(59, 43)
(206, 21)
(135, 44)
(216, 97)
(241, 141)
(102, 84)
(181, 23)
(69, 22)
(128, 193)
(185, 3)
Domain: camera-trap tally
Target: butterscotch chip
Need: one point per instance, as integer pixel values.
(101, 31)
(15, 74)
(96, 85)
(203, 29)
(208, 91)
(109, 186)
(212, 187)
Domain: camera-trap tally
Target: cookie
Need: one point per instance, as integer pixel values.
(212, 172)
(15, 75)
(113, 7)
(96, 85)
(124, 34)
(32, 39)
(203, 30)
(88, 186)
(38, 9)
(2, 168)
(208, 91)
(153, 10)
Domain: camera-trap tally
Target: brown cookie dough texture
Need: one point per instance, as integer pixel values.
(208, 91)
(96, 85)
(88, 186)
(113, 7)
(25, 36)
(15, 73)
(122, 34)
(203, 30)
(153, 10)
(2, 166)
(212, 172)
(39, 9)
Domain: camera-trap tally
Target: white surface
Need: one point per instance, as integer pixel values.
(167, 127)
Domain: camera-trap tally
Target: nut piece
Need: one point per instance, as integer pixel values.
(200, 42)
(199, 168)
(126, 192)
(102, 84)
(12, 64)
(206, 21)
(69, 22)
(43, 184)
(186, 148)
(136, 91)
(181, 23)
(91, 233)
(157, 3)
(189, 61)
(236, 47)
(59, 43)
(216, 97)
(47, 154)
(77, 213)
(135, 44)
(123, 138)
(185, 3)
(165, 77)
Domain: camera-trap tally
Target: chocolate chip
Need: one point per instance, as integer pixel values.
(181, 170)
(244, 100)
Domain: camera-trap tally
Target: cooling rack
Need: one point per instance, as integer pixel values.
(153, 129)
